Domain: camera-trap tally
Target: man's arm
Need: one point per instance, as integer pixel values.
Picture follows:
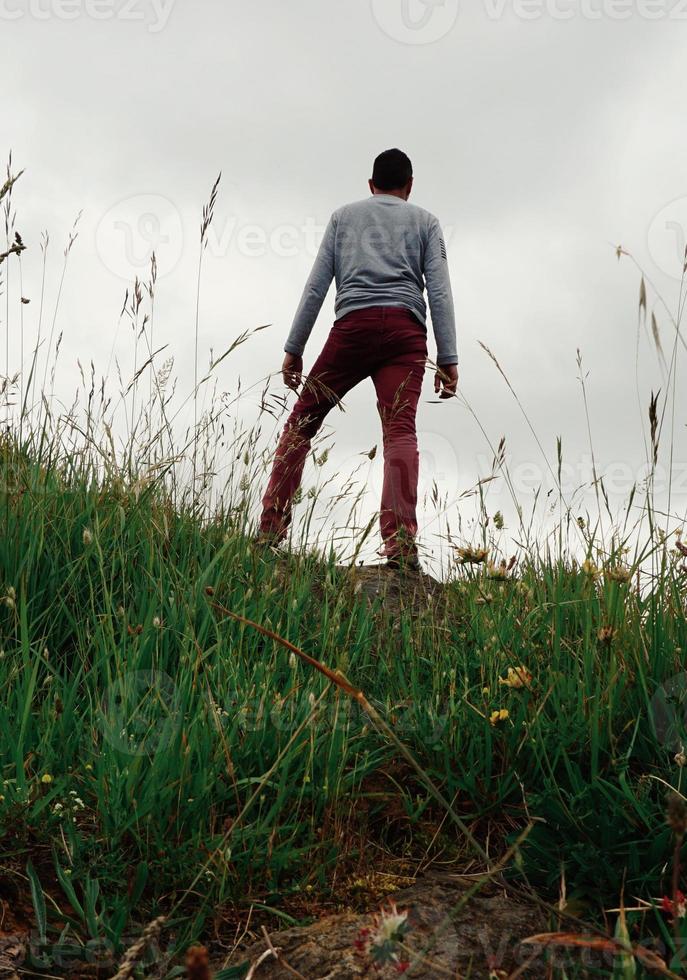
(314, 293)
(440, 295)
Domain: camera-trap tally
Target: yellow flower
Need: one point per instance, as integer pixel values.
(517, 677)
(590, 569)
(46, 778)
(497, 716)
(485, 690)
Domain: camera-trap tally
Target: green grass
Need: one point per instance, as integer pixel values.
(211, 768)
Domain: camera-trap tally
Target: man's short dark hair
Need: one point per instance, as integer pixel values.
(392, 170)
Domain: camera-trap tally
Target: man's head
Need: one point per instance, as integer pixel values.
(392, 174)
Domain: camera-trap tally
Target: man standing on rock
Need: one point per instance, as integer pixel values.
(383, 253)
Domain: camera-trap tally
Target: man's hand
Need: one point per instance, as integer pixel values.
(446, 380)
(292, 370)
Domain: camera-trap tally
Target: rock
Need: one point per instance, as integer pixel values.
(482, 935)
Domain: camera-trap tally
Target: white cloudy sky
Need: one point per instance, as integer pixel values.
(542, 133)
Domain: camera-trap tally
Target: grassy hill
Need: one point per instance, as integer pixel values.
(159, 755)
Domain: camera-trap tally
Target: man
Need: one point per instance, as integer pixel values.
(383, 253)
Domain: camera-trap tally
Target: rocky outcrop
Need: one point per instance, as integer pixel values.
(448, 936)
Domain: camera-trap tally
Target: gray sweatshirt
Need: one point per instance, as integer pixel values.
(382, 251)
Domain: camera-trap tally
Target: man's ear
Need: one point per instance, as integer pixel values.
(409, 187)
(371, 186)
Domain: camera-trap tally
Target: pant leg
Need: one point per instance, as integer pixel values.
(346, 359)
(398, 382)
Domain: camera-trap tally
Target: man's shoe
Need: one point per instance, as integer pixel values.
(404, 563)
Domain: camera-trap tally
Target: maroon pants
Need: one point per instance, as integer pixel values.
(388, 344)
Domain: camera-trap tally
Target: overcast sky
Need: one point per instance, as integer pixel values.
(543, 133)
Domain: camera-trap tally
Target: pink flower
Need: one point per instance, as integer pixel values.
(678, 908)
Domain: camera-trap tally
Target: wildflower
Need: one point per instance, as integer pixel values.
(2, 798)
(292, 661)
(525, 589)
(88, 767)
(471, 556)
(381, 941)
(516, 677)
(46, 778)
(677, 908)
(680, 758)
(620, 573)
(157, 622)
(499, 572)
(87, 537)
(499, 715)
(9, 601)
(590, 569)
(485, 690)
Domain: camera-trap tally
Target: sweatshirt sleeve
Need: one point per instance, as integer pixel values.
(438, 283)
(314, 293)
